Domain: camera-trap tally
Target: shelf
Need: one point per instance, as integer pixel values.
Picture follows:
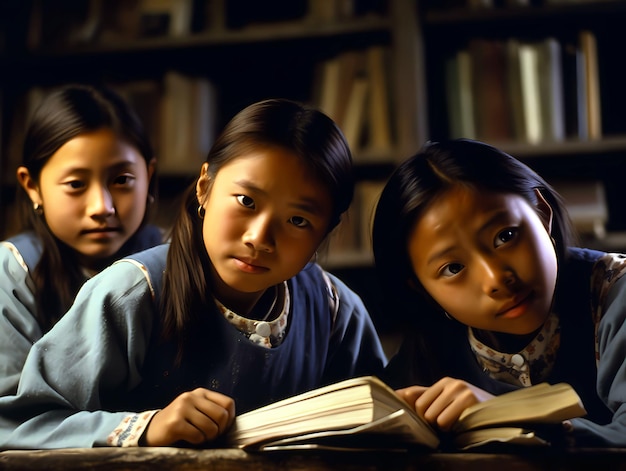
(300, 30)
(518, 16)
(566, 149)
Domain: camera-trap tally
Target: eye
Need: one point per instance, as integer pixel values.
(124, 180)
(451, 269)
(75, 184)
(245, 201)
(299, 221)
(505, 236)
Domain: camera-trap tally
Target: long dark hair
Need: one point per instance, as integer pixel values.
(417, 182)
(304, 131)
(65, 113)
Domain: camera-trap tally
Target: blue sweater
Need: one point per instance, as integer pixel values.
(19, 327)
(104, 360)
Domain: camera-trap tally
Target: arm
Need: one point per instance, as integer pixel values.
(355, 347)
(19, 328)
(95, 350)
(611, 380)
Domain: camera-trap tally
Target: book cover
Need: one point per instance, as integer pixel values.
(492, 114)
(531, 94)
(466, 96)
(589, 49)
(379, 115)
(514, 87)
(364, 412)
(551, 89)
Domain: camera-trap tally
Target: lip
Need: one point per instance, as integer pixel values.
(516, 308)
(249, 265)
(102, 231)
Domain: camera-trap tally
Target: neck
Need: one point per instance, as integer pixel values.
(506, 343)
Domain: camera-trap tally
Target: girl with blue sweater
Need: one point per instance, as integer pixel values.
(166, 346)
(86, 185)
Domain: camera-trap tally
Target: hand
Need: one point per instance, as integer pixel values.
(196, 417)
(442, 403)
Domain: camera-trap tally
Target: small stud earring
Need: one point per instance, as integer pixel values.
(38, 209)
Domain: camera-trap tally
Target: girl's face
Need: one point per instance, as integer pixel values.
(94, 192)
(265, 216)
(487, 259)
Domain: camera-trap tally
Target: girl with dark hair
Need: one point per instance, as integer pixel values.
(85, 188)
(231, 311)
(476, 252)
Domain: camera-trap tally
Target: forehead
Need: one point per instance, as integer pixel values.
(462, 209)
(92, 150)
(276, 171)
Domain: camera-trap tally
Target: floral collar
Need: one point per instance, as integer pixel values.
(533, 363)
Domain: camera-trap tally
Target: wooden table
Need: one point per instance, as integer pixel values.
(179, 459)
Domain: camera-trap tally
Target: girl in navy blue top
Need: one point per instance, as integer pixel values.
(475, 252)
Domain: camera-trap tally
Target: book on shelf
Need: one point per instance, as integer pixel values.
(514, 86)
(550, 70)
(531, 92)
(588, 45)
(379, 115)
(489, 85)
(188, 115)
(366, 413)
(459, 95)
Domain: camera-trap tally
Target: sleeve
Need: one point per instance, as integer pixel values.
(90, 358)
(19, 328)
(611, 379)
(355, 348)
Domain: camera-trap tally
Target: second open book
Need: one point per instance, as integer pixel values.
(364, 412)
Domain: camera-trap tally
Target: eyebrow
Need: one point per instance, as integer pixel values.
(309, 205)
(499, 214)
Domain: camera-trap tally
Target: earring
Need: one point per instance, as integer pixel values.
(201, 212)
(448, 316)
(150, 200)
(38, 209)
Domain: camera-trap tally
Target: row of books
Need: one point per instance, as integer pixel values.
(514, 90)
(353, 88)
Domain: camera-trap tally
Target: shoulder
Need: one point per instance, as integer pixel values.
(151, 263)
(24, 248)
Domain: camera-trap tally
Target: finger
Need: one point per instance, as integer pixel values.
(411, 394)
(218, 407)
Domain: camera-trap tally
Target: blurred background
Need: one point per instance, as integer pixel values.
(541, 79)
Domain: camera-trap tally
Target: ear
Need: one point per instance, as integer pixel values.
(151, 168)
(29, 184)
(544, 210)
(203, 184)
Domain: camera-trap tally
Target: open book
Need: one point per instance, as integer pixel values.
(366, 413)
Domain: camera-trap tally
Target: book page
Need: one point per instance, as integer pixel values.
(541, 403)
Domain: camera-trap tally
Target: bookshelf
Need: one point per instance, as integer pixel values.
(164, 54)
(542, 80)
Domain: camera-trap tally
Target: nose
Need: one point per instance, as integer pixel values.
(259, 234)
(497, 277)
(100, 203)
